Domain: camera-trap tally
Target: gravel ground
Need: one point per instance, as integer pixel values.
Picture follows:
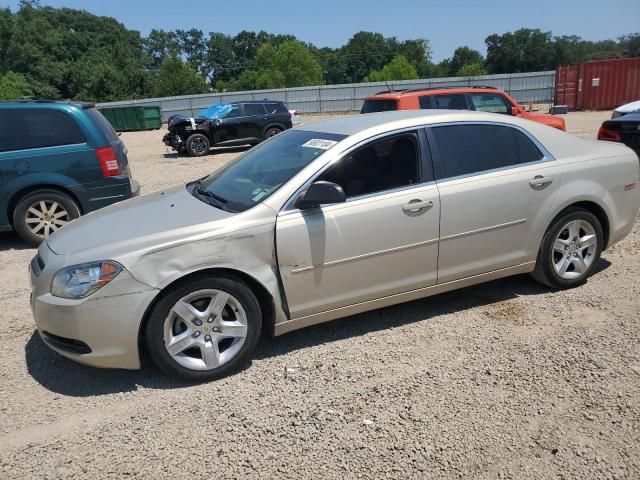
(503, 380)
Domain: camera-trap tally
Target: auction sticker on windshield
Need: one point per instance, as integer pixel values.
(320, 143)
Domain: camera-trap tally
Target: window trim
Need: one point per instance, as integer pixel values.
(437, 158)
(425, 164)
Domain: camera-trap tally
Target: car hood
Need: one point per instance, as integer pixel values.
(546, 119)
(152, 219)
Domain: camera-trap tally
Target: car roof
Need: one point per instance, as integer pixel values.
(352, 124)
(395, 94)
(257, 101)
(39, 102)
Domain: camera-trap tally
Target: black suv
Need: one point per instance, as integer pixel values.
(227, 124)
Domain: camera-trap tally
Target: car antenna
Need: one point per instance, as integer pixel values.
(388, 87)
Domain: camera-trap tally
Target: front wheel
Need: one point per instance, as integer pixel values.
(204, 329)
(570, 250)
(198, 145)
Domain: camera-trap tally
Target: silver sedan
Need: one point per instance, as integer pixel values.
(324, 221)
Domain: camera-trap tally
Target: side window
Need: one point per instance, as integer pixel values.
(271, 107)
(455, 101)
(490, 102)
(382, 165)
(234, 112)
(40, 128)
(527, 150)
(468, 149)
(254, 109)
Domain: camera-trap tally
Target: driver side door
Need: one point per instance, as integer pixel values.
(382, 241)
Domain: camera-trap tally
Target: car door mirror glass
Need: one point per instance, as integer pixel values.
(320, 193)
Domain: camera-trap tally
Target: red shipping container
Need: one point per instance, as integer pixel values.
(598, 85)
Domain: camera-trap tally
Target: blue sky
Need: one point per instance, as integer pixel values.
(447, 24)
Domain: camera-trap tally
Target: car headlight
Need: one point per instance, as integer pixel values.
(80, 281)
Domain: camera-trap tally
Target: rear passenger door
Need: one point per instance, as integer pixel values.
(497, 187)
(254, 120)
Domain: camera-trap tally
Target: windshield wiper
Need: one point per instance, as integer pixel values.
(205, 193)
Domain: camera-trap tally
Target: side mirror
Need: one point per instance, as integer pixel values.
(320, 193)
(514, 111)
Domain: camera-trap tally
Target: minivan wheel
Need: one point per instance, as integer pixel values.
(40, 213)
(570, 250)
(272, 132)
(198, 145)
(204, 329)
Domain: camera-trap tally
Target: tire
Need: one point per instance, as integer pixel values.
(198, 145)
(272, 132)
(60, 209)
(193, 356)
(554, 258)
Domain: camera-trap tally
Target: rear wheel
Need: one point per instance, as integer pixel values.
(570, 250)
(40, 213)
(272, 132)
(204, 329)
(198, 145)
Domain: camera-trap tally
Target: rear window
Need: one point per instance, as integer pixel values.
(471, 149)
(24, 129)
(490, 102)
(527, 150)
(373, 106)
(254, 109)
(103, 124)
(456, 101)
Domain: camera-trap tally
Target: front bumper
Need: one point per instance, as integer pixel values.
(101, 330)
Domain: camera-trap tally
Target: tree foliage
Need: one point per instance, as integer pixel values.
(14, 86)
(67, 53)
(397, 69)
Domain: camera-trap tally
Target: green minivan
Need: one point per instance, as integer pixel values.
(58, 160)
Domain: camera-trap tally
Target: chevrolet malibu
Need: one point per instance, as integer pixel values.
(325, 221)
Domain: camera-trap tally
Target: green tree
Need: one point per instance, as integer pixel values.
(291, 64)
(471, 70)
(397, 69)
(176, 78)
(464, 56)
(13, 86)
(525, 50)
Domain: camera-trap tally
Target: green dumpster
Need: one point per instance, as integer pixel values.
(128, 119)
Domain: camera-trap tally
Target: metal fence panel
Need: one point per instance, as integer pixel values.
(534, 87)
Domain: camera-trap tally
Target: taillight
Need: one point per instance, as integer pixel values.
(108, 161)
(606, 133)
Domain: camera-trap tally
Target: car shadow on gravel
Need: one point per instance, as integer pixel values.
(11, 241)
(407, 313)
(65, 377)
(60, 375)
(213, 151)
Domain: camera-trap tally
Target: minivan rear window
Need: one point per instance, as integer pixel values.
(103, 124)
(373, 106)
(25, 129)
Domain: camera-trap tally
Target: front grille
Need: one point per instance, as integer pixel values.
(67, 344)
(37, 265)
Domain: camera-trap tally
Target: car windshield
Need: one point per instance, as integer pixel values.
(255, 175)
(219, 110)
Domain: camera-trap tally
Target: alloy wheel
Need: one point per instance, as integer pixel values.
(199, 146)
(574, 249)
(205, 329)
(45, 217)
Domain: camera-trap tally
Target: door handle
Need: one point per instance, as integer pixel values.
(417, 205)
(539, 182)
